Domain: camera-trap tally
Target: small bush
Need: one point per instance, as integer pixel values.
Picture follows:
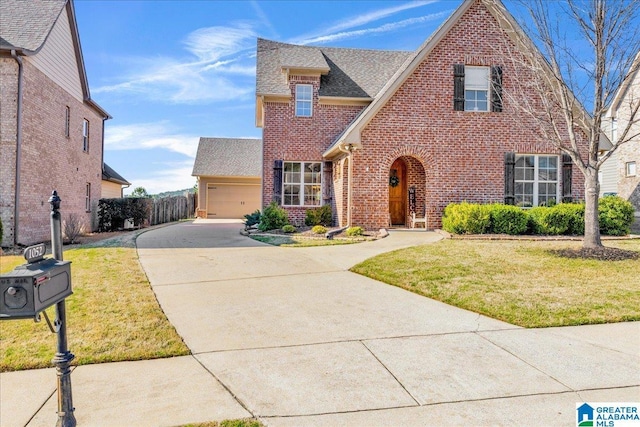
(355, 231)
(575, 214)
(466, 218)
(319, 229)
(319, 216)
(289, 228)
(508, 219)
(252, 219)
(273, 218)
(72, 227)
(549, 221)
(615, 215)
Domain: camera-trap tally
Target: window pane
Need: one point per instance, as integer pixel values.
(630, 169)
(312, 195)
(476, 78)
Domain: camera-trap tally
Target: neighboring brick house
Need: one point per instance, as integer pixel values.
(620, 173)
(229, 175)
(51, 131)
(113, 183)
(388, 133)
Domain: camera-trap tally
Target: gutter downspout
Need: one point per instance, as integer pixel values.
(349, 149)
(16, 212)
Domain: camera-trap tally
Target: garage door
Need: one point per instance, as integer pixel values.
(232, 200)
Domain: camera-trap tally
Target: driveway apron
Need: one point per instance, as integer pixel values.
(297, 339)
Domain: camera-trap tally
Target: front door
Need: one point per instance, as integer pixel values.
(398, 192)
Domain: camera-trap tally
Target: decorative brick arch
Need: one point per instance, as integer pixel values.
(418, 160)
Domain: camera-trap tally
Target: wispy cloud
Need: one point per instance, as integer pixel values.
(141, 136)
(392, 26)
(170, 176)
(337, 31)
(216, 53)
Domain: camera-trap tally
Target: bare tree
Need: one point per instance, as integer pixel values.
(566, 78)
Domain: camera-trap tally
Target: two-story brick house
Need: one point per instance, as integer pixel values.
(51, 133)
(388, 133)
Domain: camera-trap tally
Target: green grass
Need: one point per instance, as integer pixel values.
(300, 242)
(519, 282)
(113, 315)
(247, 422)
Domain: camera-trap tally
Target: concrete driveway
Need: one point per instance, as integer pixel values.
(296, 339)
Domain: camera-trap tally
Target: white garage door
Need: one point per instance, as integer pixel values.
(232, 200)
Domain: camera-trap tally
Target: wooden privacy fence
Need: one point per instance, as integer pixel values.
(168, 209)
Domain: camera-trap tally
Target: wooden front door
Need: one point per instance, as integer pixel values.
(398, 194)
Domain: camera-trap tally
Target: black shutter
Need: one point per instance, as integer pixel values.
(566, 178)
(509, 178)
(496, 86)
(277, 181)
(458, 87)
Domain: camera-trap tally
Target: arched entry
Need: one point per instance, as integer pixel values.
(398, 192)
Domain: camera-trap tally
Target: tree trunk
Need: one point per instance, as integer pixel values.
(591, 220)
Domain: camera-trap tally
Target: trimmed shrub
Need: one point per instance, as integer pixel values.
(466, 218)
(273, 217)
(575, 217)
(508, 219)
(113, 212)
(319, 229)
(616, 216)
(355, 231)
(319, 216)
(289, 228)
(252, 219)
(549, 221)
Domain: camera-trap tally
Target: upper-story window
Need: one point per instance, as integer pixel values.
(304, 97)
(85, 135)
(476, 88)
(630, 169)
(67, 121)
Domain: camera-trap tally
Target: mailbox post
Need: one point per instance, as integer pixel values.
(63, 356)
(31, 288)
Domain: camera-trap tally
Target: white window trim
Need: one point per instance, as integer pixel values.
(477, 87)
(628, 172)
(310, 100)
(536, 180)
(85, 135)
(301, 183)
(87, 202)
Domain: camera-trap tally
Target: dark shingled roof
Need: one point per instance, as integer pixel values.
(25, 25)
(108, 174)
(354, 73)
(228, 157)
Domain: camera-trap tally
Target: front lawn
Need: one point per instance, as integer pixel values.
(520, 282)
(113, 315)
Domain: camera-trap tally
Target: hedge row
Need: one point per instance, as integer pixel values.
(615, 214)
(113, 212)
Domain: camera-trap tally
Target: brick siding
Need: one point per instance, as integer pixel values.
(50, 160)
(451, 156)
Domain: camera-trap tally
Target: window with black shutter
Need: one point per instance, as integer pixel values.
(458, 87)
(509, 178)
(496, 86)
(567, 164)
(277, 181)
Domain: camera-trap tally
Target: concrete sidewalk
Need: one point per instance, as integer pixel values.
(289, 336)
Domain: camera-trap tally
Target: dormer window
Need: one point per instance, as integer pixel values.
(304, 97)
(476, 88)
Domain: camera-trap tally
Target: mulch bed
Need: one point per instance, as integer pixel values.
(602, 254)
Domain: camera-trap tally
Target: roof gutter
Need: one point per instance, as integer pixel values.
(16, 212)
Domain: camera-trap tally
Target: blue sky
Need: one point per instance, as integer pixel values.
(170, 72)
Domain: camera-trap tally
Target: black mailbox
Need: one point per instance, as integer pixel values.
(31, 288)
